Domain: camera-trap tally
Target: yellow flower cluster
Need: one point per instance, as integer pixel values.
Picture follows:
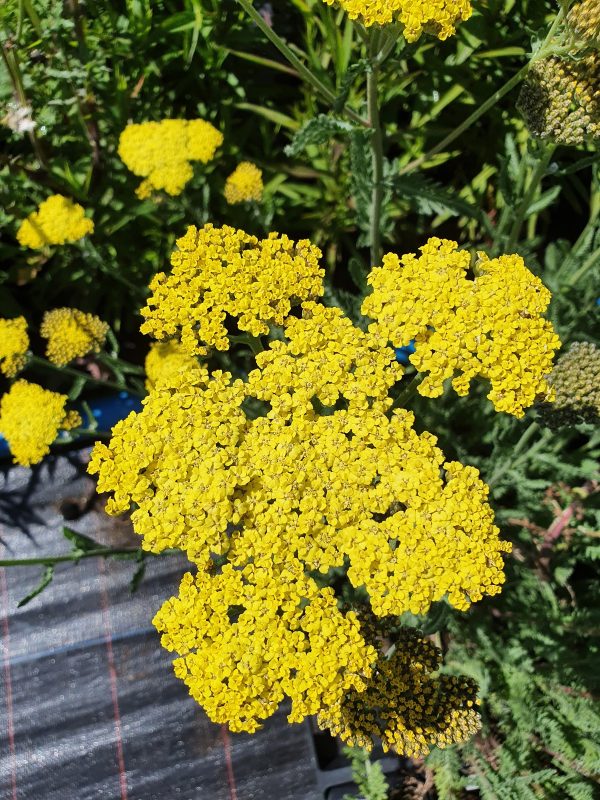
(14, 343)
(405, 705)
(560, 99)
(166, 360)
(71, 334)
(30, 418)
(249, 637)
(438, 17)
(220, 272)
(326, 358)
(489, 327)
(244, 183)
(161, 152)
(57, 220)
(264, 504)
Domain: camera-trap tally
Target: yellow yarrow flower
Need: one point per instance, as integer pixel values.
(584, 19)
(288, 494)
(30, 418)
(58, 220)
(71, 334)
(437, 17)
(223, 271)
(161, 152)
(165, 360)
(490, 327)
(244, 183)
(14, 344)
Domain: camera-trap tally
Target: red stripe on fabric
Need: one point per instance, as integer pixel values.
(228, 762)
(8, 684)
(112, 674)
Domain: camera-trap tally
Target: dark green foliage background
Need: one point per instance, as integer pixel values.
(92, 68)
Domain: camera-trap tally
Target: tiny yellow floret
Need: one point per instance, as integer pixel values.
(14, 344)
(58, 220)
(30, 418)
(244, 183)
(437, 17)
(161, 152)
(71, 334)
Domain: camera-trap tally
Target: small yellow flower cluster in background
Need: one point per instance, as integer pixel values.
(560, 99)
(166, 360)
(223, 271)
(161, 152)
(405, 705)
(30, 418)
(58, 220)
(438, 17)
(14, 344)
(244, 183)
(489, 327)
(71, 334)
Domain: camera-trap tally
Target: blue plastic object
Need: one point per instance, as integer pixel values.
(107, 410)
(403, 353)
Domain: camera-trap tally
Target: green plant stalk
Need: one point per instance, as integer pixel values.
(591, 261)
(544, 50)
(407, 393)
(536, 178)
(36, 361)
(101, 552)
(301, 68)
(376, 165)
(518, 448)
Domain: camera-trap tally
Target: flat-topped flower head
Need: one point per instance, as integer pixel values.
(584, 19)
(58, 220)
(223, 272)
(30, 419)
(162, 152)
(437, 17)
(244, 183)
(489, 327)
(575, 381)
(14, 344)
(71, 334)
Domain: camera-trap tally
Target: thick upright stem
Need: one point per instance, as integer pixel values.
(376, 165)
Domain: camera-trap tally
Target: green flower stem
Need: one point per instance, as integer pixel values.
(302, 69)
(407, 393)
(591, 261)
(376, 165)
(77, 555)
(536, 178)
(517, 456)
(545, 49)
(36, 361)
(253, 342)
(118, 363)
(89, 251)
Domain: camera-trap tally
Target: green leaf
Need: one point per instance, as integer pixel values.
(428, 197)
(319, 130)
(46, 579)
(273, 116)
(79, 542)
(138, 575)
